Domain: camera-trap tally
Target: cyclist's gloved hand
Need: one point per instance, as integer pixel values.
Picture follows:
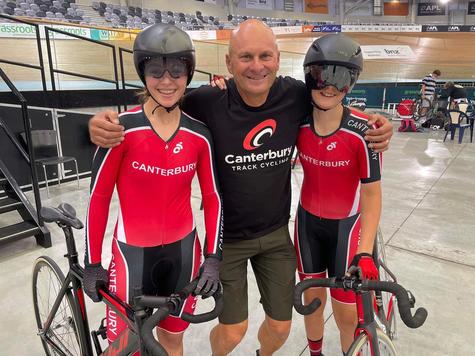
(366, 264)
(95, 276)
(208, 282)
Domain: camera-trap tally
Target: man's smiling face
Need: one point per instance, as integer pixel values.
(253, 60)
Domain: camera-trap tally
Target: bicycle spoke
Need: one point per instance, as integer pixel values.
(61, 336)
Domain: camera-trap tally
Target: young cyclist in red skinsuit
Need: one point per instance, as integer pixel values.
(155, 249)
(340, 200)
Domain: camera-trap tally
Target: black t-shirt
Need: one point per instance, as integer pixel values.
(457, 92)
(253, 151)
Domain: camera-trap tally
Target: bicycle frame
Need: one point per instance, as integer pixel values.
(366, 321)
(73, 280)
(383, 317)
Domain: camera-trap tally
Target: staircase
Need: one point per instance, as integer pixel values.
(27, 223)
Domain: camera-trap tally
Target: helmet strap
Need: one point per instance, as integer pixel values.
(168, 109)
(318, 107)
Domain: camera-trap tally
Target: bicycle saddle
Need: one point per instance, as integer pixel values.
(64, 214)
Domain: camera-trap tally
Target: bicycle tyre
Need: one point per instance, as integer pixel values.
(63, 331)
(360, 347)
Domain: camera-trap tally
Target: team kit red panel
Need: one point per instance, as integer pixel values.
(334, 167)
(153, 178)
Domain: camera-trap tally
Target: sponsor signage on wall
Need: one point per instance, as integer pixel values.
(326, 28)
(431, 9)
(471, 7)
(259, 4)
(19, 30)
(387, 52)
(202, 35)
(286, 30)
(449, 28)
(316, 6)
(381, 28)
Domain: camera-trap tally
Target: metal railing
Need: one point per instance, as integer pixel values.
(30, 158)
(39, 67)
(79, 75)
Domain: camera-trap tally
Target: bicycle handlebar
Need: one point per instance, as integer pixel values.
(351, 283)
(164, 310)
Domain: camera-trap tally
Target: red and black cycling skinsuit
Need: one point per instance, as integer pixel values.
(327, 226)
(155, 249)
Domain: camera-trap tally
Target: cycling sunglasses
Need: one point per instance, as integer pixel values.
(156, 67)
(319, 76)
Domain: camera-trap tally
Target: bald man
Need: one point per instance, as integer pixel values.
(254, 124)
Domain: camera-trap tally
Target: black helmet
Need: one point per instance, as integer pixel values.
(163, 40)
(334, 59)
(335, 49)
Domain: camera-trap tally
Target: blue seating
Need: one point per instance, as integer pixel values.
(456, 121)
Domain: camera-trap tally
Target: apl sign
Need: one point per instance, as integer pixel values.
(430, 9)
(453, 29)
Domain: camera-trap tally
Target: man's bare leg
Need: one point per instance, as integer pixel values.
(225, 337)
(272, 335)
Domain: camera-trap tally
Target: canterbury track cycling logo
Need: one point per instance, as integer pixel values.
(178, 147)
(256, 136)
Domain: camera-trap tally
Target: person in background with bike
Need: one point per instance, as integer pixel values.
(428, 90)
(155, 249)
(456, 94)
(254, 123)
(340, 200)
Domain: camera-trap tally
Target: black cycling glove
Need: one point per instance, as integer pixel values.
(208, 282)
(95, 276)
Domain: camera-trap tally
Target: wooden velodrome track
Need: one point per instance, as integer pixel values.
(452, 53)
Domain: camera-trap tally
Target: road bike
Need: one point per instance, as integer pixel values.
(60, 308)
(370, 339)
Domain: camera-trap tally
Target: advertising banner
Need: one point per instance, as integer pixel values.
(286, 30)
(20, 30)
(327, 28)
(316, 6)
(387, 52)
(449, 28)
(372, 96)
(471, 7)
(259, 4)
(431, 9)
(381, 28)
(202, 35)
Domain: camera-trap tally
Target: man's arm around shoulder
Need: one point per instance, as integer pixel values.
(105, 130)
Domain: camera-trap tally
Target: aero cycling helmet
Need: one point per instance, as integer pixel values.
(163, 40)
(334, 59)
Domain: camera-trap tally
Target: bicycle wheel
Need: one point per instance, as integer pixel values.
(386, 316)
(361, 346)
(63, 333)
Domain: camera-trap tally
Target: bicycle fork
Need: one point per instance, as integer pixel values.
(366, 321)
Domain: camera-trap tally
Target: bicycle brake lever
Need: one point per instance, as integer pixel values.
(412, 299)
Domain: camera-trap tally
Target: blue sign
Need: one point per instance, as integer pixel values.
(327, 28)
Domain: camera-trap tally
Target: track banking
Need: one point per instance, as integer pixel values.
(256, 161)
